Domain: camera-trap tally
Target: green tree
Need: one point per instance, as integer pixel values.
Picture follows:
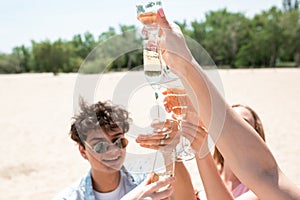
(289, 5)
(198, 31)
(106, 35)
(101, 57)
(83, 45)
(291, 30)
(40, 54)
(9, 64)
(224, 34)
(23, 55)
(271, 34)
(129, 38)
(56, 57)
(121, 49)
(266, 38)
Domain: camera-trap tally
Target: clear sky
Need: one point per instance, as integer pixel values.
(23, 21)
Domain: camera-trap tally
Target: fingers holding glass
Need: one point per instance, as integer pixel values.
(175, 101)
(161, 188)
(195, 133)
(167, 124)
(164, 134)
(149, 189)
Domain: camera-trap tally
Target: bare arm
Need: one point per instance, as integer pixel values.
(183, 187)
(258, 170)
(213, 184)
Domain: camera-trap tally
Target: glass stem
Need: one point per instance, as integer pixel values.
(157, 104)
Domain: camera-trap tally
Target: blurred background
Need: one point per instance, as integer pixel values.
(57, 36)
(255, 44)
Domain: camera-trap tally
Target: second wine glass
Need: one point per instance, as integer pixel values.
(178, 112)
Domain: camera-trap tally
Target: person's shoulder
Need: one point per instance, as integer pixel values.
(80, 190)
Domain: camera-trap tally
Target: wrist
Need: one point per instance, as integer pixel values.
(183, 67)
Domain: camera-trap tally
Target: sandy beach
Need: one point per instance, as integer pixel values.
(38, 159)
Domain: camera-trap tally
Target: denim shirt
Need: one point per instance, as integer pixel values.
(83, 189)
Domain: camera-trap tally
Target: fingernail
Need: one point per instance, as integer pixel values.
(161, 12)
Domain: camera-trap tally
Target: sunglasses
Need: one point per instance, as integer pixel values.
(103, 146)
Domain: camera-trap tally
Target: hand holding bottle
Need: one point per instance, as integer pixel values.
(173, 46)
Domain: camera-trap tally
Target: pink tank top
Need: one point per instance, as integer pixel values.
(239, 190)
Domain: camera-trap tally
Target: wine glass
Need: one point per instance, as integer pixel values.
(164, 166)
(183, 149)
(156, 71)
(146, 13)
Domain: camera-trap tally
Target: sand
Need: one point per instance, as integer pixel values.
(38, 159)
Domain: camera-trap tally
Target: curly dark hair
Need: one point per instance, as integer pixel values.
(101, 115)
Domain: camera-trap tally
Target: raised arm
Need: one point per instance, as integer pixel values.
(183, 188)
(213, 184)
(249, 157)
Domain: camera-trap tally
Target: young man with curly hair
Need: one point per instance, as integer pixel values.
(99, 130)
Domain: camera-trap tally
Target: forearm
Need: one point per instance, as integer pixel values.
(183, 187)
(249, 157)
(252, 162)
(213, 184)
(234, 137)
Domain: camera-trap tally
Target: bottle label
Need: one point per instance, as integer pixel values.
(151, 61)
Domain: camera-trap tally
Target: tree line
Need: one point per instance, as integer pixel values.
(269, 39)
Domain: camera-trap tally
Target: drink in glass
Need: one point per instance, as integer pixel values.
(164, 166)
(146, 14)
